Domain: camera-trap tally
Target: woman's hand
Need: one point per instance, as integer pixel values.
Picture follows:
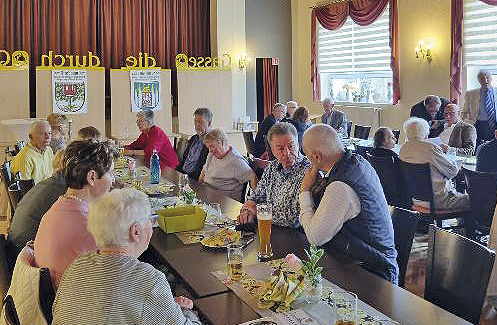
(184, 302)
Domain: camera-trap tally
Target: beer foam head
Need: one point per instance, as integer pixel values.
(264, 215)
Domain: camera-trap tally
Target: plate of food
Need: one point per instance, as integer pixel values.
(281, 291)
(221, 238)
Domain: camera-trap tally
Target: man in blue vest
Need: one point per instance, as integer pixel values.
(346, 209)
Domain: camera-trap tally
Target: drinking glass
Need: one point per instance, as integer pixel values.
(216, 208)
(235, 257)
(182, 181)
(264, 220)
(345, 308)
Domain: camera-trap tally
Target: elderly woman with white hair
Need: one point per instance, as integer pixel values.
(152, 138)
(225, 169)
(110, 285)
(418, 150)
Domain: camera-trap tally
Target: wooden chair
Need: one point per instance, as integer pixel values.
(457, 273)
(404, 228)
(390, 179)
(418, 186)
(482, 190)
(248, 138)
(361, 131)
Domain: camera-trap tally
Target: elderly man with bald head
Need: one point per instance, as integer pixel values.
(34, 161)
(346, 209)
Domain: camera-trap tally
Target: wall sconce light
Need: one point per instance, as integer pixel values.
(243, 60)
(424, 51)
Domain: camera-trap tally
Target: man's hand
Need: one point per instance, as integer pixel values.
(309, 179)
(248, 212)
(184, 302)
(445, 148)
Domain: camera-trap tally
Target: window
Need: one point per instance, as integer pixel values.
(354, 62)
(479, 41)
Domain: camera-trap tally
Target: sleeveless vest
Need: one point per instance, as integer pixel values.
(369, 236)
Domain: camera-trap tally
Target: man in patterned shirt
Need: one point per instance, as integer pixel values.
(280, 184)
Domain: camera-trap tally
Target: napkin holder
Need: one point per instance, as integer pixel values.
(182, 218)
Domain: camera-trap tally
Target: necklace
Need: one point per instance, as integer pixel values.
(104, 252)
(73, 197)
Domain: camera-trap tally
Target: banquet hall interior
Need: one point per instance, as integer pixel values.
(206, 80)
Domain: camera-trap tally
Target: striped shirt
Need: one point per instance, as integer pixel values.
(116, 289)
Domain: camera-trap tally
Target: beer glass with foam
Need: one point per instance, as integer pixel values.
(264, 219)
(235, 257)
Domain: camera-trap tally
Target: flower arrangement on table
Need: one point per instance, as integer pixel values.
(284, 287)
(187, 195)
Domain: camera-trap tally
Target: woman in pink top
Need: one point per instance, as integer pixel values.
(62, 235)
(152, 137)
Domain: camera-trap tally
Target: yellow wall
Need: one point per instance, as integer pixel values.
(418, 19)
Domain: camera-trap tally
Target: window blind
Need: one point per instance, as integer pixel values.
(480, 34)
(354, 50)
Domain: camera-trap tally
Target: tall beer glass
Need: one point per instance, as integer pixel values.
(264, 219)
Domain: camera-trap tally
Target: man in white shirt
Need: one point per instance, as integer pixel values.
(346, 209)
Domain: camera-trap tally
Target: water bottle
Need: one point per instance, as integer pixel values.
(154, 168)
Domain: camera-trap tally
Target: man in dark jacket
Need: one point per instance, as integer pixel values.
(486, 157)
(432, 109)
(193, 159)
(278, 113)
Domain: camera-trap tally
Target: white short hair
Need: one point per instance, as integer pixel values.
(36, 124)
(111, 216)
(416, 128)
(292, 102)
(328, 100)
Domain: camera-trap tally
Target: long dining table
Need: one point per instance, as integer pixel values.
(217, 304)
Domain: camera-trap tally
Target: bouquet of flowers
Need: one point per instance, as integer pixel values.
(187, 194)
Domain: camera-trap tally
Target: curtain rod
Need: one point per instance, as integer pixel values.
(323, 4)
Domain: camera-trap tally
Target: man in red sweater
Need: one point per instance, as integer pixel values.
(152, 137)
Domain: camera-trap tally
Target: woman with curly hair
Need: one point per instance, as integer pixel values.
(62, 235)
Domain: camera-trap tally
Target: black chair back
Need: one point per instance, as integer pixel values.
(349, 128)
(361, 131)
(18, 147)
(418, 182)
(482, 190)
(404, 228)
(5, 274)
(396, 133)
(389, 174)
(7, 180)
(362, 150)
(18, 189)
(457, 273)
(11, 317)
(248, 138)
(47, 294)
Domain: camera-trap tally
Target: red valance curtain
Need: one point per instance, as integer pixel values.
(112, 29)
(456, 47)
(270, 84)
(362, 12)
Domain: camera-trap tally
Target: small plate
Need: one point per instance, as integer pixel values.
(221, 239)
